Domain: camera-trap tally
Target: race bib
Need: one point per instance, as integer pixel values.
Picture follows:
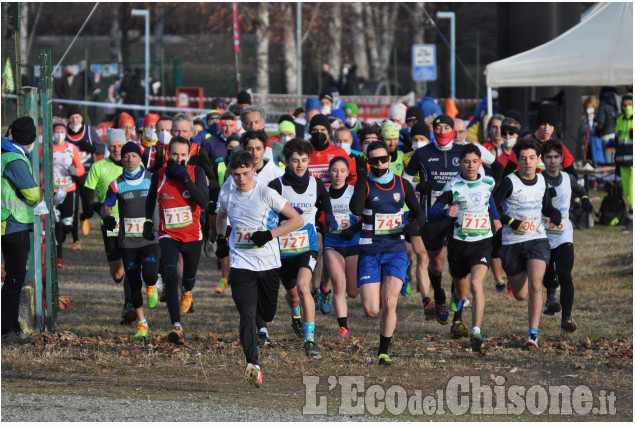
(62, 182)
(242, 237)
(295, 242)
(133, 227)
(552, 229)
(343, 222)
(475, 223)
(528, 224)
(115, 232)
(388, 224)
(177, 217)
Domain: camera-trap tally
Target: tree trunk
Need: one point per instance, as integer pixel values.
(115, 34)
(124, 26)
(371, 40)
(24, 34)
(386, 28)
(262, 48)
(159, 14)
(418, 37)
(360, 56)
(290, 59)
(334, 57)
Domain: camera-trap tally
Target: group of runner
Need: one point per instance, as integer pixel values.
(364, 203)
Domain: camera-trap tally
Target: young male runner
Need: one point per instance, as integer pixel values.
(299, 250)
(560, 236)
(253, 250)
(467, 199)
(522, 199)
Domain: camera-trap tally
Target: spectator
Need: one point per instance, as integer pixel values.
(624, 155)
(607, 118)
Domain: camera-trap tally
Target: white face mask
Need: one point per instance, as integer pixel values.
(75, 128)
(590, 111)
(510, 142)
(59, 138)
(325, 110)
(165, 137)
(151, 134)
(417, 145)
(285, 139)
(30, 148)
(346, 147)
(351, 122)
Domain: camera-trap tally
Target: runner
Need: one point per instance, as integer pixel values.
(436, 164)
(521, 198)
(341, 245)
(179, 191)
(253, 250)
(561, 236)
(129, 192)
(381, 270)
(467, 199)
(101, 174)
(298, 250)
(66, 164)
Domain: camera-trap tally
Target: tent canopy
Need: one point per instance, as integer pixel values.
(596, 52)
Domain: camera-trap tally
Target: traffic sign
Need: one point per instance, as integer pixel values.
(424, 62)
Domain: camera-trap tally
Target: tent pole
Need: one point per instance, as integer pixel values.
(489, 101)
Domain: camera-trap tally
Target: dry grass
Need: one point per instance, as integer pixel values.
(90, 350)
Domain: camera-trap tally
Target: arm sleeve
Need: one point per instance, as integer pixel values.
(547, 206)
(438, 210)
(276, 185)
(100, 148)
(151, 200)
(323, 198)
(416, 212)
(111, 195)
(358, 200)
(497, 170)
(18, 173)
(77, 162)
(493, 209)
(577, 189)
(91, 180)
(511, 165)
(198, 188)
(413, 166)
(486, 156)
(501, 192)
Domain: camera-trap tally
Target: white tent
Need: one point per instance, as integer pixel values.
(596, 52)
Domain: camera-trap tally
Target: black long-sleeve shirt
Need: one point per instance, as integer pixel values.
(197, 187)
(504, 190)
(358, 200)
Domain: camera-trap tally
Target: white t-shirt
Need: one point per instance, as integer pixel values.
(250, 212)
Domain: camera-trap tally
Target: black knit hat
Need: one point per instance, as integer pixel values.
(243, 97)
(72, 110)
(130, 147)
(547, 114)
(420, 128)
(319, 119)
(23, 130)
(415, 113)
(443, 119)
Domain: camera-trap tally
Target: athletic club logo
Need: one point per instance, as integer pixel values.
(476, 198)
(396, 196)
(455, 161)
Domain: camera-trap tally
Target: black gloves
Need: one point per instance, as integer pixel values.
(424, 188)
(330, 224)
(555, 216)
(361, 168)
(348, 233)
(86, 146)
(515, 224)
(586, 204)
(148, 234)
(109, 222)
(176, 171)
(261, 237)
(222, 247)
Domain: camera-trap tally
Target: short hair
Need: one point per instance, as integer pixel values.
(368, 129)
(378, 144)
(240, 159)
(551, 145)
(253, 134)
(494, 117)
(179, 139)
(253, 108)
(296, 145)
(341, 129)
(525, 144)
(181, 116)
(198, 121)
(469, 148)
(165, 118)
(511, 122)
(338, 159)
(236, 109)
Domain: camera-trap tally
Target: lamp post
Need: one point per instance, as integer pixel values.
(146, 14)
(451, 16)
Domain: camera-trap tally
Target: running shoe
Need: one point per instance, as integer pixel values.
(406, 290)
(129, 314)
(77, 246)
(311, 350)
(500, 286)
(509, 289)
(210, 248)
(296, 325)
(344, 332)
(552, 306)
(327, 302)
(466, 303)
(60, 263)
(85, 227)
(317, 297)
(532, 342)
(222, 285)
(455, 303)
(458, 329)
(191, 310)
(442, 314)
(385, 360)
(186, 302)
(253, 375)
(569, 325)
(152, 296)
(476, 341)
(428, 309)
(263, 338)
(176, 336)
(142, 330)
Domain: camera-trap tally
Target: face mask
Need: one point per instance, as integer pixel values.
(318, 139)
(75, 128)
(30, 148)
(351, 122)
(59, 138)
(444, 139)
(346, 147)
(151, 134)
(325, 110)
(165, 137)
(509, 142)
(285, 139)
(417, 145)
(378, 171)
(628, 110)
(590, 111)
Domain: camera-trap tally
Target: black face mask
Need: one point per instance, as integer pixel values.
(379, 172)
(318, 139)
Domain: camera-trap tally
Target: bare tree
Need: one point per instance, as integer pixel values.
(289, 44)
(262, 48)
(371, 40)
(115, 34)
(334, 57)
(418, 38)
(388, 20)
(24, 33)
(360, 56)
(159, 15)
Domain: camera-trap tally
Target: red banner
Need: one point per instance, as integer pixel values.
(236, 29)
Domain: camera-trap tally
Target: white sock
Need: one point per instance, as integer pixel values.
(177, 325)
(264, 330)
(477, 329)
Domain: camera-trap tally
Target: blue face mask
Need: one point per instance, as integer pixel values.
(346, 147)
(131, 175)
(386, 178)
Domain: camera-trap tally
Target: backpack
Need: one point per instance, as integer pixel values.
(613, 206)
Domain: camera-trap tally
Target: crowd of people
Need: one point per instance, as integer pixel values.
(331, 207)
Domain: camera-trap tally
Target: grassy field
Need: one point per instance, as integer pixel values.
(89, 352)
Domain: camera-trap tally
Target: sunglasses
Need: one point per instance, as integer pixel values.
(376, 160)
(509, 130)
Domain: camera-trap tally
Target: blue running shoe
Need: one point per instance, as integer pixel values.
(455, 303)
(476, 341)
(327, 302)
(442, 314)
(317, 297)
